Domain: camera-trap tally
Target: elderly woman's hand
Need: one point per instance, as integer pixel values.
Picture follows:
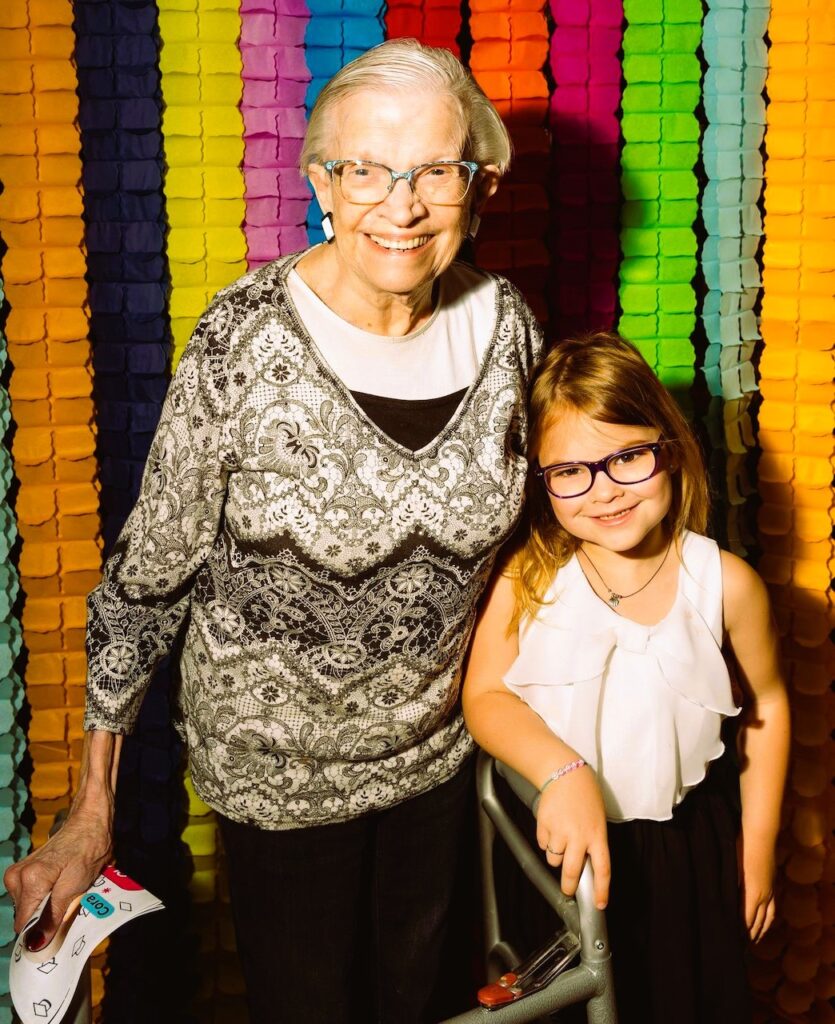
(64, 866)
(67, 864)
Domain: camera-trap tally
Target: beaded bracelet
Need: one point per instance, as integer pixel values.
(558, 774)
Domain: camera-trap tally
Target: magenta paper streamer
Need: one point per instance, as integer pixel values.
(585, 191)
(275, 77)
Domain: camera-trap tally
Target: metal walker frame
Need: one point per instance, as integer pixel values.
(591, 979)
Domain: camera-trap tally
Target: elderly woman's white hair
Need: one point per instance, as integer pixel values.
(408, 66)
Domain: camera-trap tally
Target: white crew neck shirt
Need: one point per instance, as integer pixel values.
(439, 358)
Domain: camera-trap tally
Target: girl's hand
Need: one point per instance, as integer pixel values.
(570, 824)
(757, 887)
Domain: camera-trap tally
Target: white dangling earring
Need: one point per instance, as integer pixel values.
(327, 227)
(475, 224)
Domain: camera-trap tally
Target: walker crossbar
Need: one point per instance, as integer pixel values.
(591, 980)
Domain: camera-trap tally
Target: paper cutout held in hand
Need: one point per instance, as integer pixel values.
(42, 983)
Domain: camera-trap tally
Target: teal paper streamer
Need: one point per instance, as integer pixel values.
(12, 802)
(14, 840)
(735, 52)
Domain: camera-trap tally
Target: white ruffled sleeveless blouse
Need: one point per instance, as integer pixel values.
(643, 705)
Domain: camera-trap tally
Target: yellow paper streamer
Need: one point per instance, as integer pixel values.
(204, 190)
(203, 143)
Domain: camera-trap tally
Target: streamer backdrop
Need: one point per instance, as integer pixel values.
(148, 155)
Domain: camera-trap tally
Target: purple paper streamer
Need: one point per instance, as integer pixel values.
(275, 77)
(585, 63)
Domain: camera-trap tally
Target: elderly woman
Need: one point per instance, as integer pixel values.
(340, 455)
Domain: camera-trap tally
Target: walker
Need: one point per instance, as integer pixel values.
(549, 980)
(553, 977)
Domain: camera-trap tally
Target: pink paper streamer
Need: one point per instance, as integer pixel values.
(275, 77)
(584, 60)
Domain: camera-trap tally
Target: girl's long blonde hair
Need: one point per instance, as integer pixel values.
(605, 377)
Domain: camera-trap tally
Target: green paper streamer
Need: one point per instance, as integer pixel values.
(660, 189)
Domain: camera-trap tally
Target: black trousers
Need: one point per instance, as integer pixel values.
(346, 923)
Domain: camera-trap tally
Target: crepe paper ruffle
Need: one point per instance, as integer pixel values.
(585, 190)
(50, 387)
(510, 48)
(275, 80)
(204, 185)
(148, 823)
(338, 31)
(121, 146)
(660, 190)
(735, 53)
(210, 912)
(203, 144)
(794, 475)
(433, 22)
(14, 840)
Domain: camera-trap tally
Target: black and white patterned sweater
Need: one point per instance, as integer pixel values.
(329, 576)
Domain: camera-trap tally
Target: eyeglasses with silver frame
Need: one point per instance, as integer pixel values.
(365, 183)
(630, 465)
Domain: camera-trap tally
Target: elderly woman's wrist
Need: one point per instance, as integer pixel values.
(99, 766)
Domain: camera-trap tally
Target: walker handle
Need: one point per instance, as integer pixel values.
(579, 912)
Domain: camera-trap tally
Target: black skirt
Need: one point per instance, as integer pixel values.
(675, 922)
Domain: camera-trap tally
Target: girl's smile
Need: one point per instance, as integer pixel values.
(615, 518)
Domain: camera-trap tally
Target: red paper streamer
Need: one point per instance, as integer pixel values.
(434, 22)
(510, 48)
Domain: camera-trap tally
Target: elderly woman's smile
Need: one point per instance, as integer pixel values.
(386, 255)
(401, 244)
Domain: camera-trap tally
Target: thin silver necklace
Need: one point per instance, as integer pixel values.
(614, 599)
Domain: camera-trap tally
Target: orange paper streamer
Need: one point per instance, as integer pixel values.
(795, 470)
(50, 387)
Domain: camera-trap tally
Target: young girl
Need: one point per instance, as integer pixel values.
(598, 671)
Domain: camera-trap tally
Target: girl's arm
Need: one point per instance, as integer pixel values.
(764, 734)
(571, 819)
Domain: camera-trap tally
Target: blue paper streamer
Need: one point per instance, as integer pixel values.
(338, 32)
(127, 272)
